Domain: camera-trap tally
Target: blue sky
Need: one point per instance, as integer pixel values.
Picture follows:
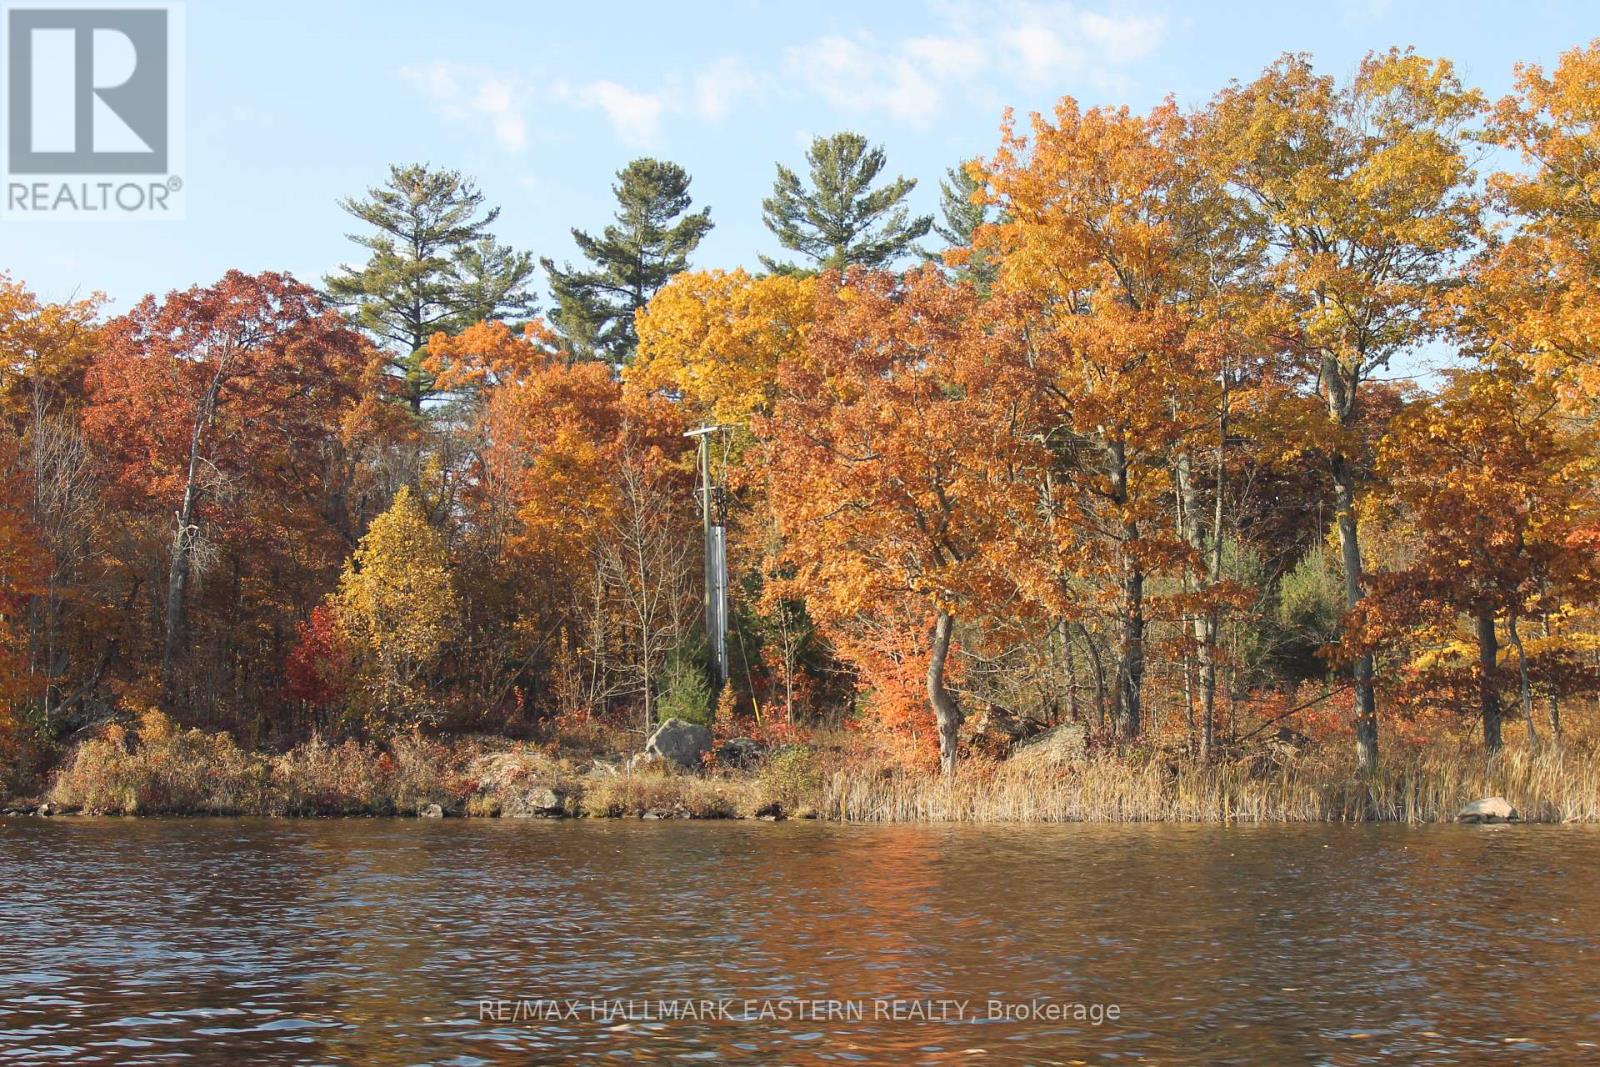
(292, 105)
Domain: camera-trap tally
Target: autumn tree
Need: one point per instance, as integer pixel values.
(397, 607)
(44, 350)
(23, 569)
(837, 219)
(714, 340)
(893, 464)
(552, 451)
(1499, 502)
(579, 484)
(1115, 259)
(432, 265)
(194, 399)
(1363, 190)
(59, 476)
(1534, 295)
(652, 239)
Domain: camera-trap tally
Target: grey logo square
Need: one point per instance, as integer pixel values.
(87, 91)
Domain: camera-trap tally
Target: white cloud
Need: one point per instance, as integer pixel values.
(856, 75)
(1127, 39)
(719, 87)
(986, 48)
(956, 56)
(464, 93)
(634, 115)
(1054, 42)
(1036, 42)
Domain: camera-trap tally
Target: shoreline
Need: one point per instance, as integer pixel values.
(158, 769)
(11, 810)
(170, 816)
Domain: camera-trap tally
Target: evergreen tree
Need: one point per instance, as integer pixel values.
(651, 241)
(840, 220)
(963, 215)
(433, 266)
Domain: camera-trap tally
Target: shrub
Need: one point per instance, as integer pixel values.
(791, 779)
(161, 768)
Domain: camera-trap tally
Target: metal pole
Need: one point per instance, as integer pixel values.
(714, 532)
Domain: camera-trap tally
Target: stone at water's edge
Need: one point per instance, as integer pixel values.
(683, 743)
(1490, 809)
(534, 802)
(430, 811)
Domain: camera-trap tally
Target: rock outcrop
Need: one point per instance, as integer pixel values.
(995, 732)
(1061, 744)
(684, 743)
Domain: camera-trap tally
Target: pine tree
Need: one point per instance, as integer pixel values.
(840, 220)
(652, 239)
(964, 213)
(433, 266)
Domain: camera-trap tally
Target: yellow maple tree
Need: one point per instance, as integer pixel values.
(397, 605)
(715, 339)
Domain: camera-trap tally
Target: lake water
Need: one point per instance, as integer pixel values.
(405, 941)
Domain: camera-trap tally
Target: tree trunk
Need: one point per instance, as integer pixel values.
(1366, 707)
(1488, 690)
(1098, 670)
(1552, 703)
(1183, 507)
(1130, 660)
(183, 540)
(1205, 623)
(945, 709)
(1524, 689)
(1212, 620)
(1074, 712)
(1130, 664)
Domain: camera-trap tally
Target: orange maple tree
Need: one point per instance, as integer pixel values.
(892, 460)
(1363, 190)
(1117, 258)
(23, 565)
(1498, 502)
(214, 412)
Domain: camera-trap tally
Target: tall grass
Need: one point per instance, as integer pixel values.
(1429, 786)
(159, 768)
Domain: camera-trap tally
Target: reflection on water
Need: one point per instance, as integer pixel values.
(378, 941)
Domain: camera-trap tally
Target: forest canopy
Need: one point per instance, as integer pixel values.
(1131, 437)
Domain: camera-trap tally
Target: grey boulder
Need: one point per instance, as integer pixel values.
(1489, 809)
(535, 802)
(684, 743)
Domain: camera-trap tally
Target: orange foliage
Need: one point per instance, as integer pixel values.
(23, 567)
(891, 459)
